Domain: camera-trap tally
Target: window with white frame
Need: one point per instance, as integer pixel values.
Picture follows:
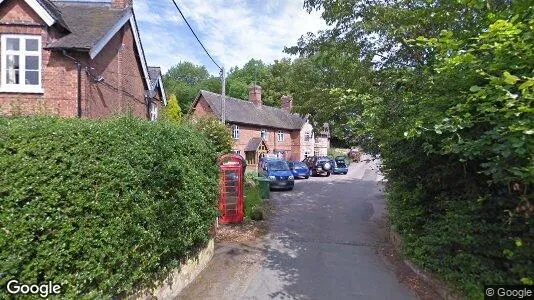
(264, 134)
(20, 63)
(280, 136)
(236, 152)
(307, 153)
(153, 111)
(307, 136)
(235, 132)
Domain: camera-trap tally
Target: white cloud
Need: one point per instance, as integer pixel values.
(234, 31)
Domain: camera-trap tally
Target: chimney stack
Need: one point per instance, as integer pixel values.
(254, 94)
(121, 4)
(287, 103)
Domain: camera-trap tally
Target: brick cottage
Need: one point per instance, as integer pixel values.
(75, 58)
(258, 129)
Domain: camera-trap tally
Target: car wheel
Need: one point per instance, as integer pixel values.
(327, 174)
(306, 177)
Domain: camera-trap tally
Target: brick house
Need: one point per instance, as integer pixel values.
(258, 129)
(75, 58)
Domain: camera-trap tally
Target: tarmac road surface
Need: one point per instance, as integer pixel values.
(322, 243)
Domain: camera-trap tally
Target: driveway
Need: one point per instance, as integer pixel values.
(323, 243)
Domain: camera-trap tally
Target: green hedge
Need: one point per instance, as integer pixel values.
(102, 207)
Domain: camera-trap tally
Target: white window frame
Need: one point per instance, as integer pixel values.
(238, 152)
(307, 136)
(235, 132)
(280, 136)
(22, 53)
(307, 153)
(264, 134)
(153, 111)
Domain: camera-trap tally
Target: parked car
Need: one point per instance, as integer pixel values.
(299, 169)
(355, 155)
(279, 174)
(342, 158)
(340, 167)
(319, 165)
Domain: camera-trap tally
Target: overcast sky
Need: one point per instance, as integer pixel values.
(233, 31)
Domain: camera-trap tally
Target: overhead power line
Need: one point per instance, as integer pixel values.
(190, 28)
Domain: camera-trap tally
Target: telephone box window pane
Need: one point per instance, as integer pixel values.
(32, 63)
(32, 77)
(32, 45)
(12, 44)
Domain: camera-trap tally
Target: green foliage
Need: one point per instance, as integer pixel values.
(172, 111)
(186, 79)
(104, 206)
(443, 92)
(252, 200)
(216, 132)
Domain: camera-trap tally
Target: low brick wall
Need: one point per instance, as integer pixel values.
(437, 285)
(179, 278)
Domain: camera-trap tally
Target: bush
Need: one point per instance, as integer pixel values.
(172, 111)
(102, 207)
(215, 131)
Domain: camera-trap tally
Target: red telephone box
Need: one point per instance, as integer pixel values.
(231, 201)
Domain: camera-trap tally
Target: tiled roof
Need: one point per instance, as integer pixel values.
(253, 144)
(87, 23)
(54, 12)
(246, 112)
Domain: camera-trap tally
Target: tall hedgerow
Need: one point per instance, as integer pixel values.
(102, 207)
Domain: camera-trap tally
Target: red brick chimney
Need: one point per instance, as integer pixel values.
(287, 103)
(254, 94)
(122, 4)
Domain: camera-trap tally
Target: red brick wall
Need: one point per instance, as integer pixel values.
(123, 87)
(246, 132)
(122, 90)
(202, 109)
(58, 72)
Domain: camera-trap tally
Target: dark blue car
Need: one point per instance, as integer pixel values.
(299, 169)
(279, 174)
(340, 167)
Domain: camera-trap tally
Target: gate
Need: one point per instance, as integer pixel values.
(231, 199)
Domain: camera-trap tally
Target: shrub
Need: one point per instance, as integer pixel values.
(102, 207)
(215, 131)
(172, 111)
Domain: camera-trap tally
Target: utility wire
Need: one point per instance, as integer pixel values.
(183, 17)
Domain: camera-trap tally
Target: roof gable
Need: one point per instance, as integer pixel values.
(93, 26)
(42, 9)
(156, 81)
(246, 112)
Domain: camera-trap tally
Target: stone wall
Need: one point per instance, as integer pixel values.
(179, 278)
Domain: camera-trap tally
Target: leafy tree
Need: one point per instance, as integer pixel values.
(443, 91)
(172, 111)
(239, 79)
(186, 79)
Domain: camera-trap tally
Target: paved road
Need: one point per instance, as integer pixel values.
(322, 244)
